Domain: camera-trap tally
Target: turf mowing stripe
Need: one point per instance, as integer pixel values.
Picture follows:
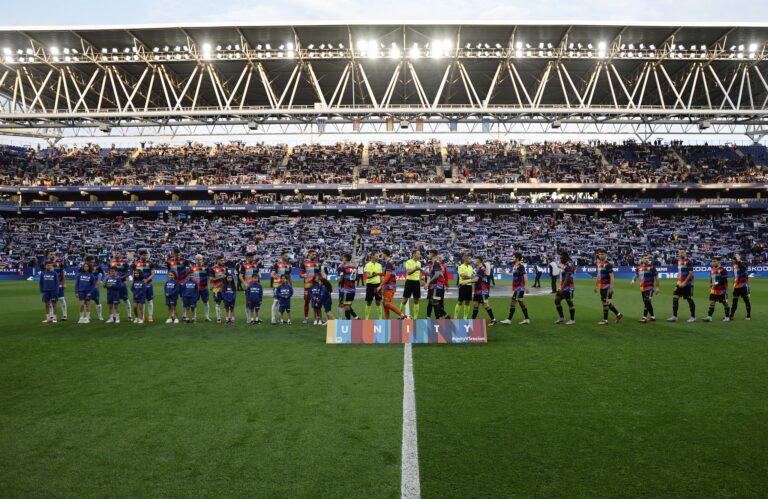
(409, 479)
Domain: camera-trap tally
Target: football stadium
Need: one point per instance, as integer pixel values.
(367, 259)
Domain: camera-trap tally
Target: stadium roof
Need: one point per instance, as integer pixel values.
(698, 75)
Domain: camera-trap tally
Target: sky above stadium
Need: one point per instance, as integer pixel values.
(100, 12)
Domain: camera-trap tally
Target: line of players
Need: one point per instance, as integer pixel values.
(193, 281)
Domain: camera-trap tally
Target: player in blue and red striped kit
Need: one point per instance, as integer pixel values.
(437, 282)
(310, 267)
(219, 273)
(740, 286)
(649, 285)
(519, 287)
(178, 264)
(482, 291)
(565, 291)
(604, 281)
(684, 287)
(347, 276)
(200, 272)
(718, 291)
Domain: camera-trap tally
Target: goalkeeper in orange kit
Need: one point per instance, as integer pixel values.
(389, 286)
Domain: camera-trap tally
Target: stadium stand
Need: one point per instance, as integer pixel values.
(495, 237)
(410, 162)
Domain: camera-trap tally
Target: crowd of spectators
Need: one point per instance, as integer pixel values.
(625, 236)
(589, 162)
(317, 163)
(149, 165)
(406, 162)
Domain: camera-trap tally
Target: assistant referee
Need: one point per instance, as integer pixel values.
(373, 271)
(412, 288)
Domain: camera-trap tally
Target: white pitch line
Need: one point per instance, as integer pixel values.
(410, 486)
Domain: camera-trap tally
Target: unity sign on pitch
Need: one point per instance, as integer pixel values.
(448, 331)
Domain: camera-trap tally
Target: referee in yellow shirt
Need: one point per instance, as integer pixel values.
(373, 272)
(466, 272)
(412, 288)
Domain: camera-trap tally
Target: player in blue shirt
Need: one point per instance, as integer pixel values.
(172, 289)
(284, 293)
(320, 297)
(228, 296)
(282, 268)
(98, 273)
(254, 293)
(139, 292)
(85, 281)
(122, 270)
(147, 273)
(58, 267)
(114, 286)
(190, 293)
(49, 286)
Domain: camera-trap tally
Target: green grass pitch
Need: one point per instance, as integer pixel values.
(541, 410)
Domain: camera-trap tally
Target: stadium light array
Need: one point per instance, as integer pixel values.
(601, 49)
(394, 51)
(440, 48)
(368, 48)
(372, 49)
